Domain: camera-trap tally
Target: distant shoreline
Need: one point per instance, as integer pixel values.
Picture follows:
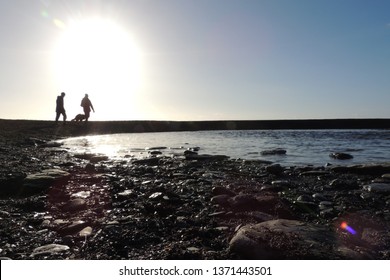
(49, 129)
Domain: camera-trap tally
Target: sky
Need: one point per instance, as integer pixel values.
(189, 60)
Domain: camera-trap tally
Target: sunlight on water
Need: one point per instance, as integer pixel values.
(304, 147)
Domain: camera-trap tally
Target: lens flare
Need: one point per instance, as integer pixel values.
(345, 226)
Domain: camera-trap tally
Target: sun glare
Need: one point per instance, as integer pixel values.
(98, 57)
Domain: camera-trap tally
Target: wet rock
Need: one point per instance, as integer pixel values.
(96, 159)
(205, 157)
(222, 190)
(90, 168)
(283, 239)
(49, 249)
(85, 156)
(81, 194)
(363, 169)
(349, 254)
(341, 156)
(155, 148)
(42, 180)
(72, 228)
(87, 231)
(386, 176)
(378, 188)
(190, 153)
(325, 205)
(275, 169)
(244, 202)
(147, 161)
(273, 152)
(315, 173)
(319, 197)
(75, 205)
(260, 216)
(305, 198)
(328, 213)
(126, 193)
(11, 183)
(222, 200)
(280, 183)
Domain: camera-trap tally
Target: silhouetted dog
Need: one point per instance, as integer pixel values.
(79, 118)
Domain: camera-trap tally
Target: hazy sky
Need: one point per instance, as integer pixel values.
(196, 59)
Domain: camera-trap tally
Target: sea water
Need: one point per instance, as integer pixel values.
(303, 147)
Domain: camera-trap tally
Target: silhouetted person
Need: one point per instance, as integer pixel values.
(60, 110)
(87, 106)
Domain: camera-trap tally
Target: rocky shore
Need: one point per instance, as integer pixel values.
(58, 205)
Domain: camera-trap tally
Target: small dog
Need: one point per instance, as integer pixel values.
(79, 118)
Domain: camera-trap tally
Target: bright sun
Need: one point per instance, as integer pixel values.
(98, 57)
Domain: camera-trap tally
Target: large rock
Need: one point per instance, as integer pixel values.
(273, 152)
(41, 181)
(363, 169)
(341, 156)
(378, 188)
(283, 239)
(49, 249)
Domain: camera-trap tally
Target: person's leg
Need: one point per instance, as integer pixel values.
(86, 112)
(57, 116)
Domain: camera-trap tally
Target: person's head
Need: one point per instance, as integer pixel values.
(86, 95)
(62, 94)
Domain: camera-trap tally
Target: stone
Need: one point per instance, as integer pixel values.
(96, 159)
(46, 178)
(305, 198)
(75, 205)
(222, 190)
(283, 239)
(378, 188)
(205, 157)
(273, 152)
(260, 216)
(155, 148)
(275, 169)
(315, 173)
(341, 156)
(222, 200)
(81, 194)
(189, 153)
(11, 183)
(49, 249)
(376, 238)
(319, 197)
(147, 161)
(363, 169)
(386, 176)
(244, 202)
(72, 228)
(325, 205)
(87, 231)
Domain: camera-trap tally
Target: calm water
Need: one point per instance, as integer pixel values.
(303, 146)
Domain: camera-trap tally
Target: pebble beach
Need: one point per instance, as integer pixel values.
(57, 205)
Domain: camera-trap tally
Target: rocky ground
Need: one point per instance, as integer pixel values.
(57, 205)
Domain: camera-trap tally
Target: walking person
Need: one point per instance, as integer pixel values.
(60, 110)
(87, 106)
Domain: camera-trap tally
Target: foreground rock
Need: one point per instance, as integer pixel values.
(283, 239)
(38, 182)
